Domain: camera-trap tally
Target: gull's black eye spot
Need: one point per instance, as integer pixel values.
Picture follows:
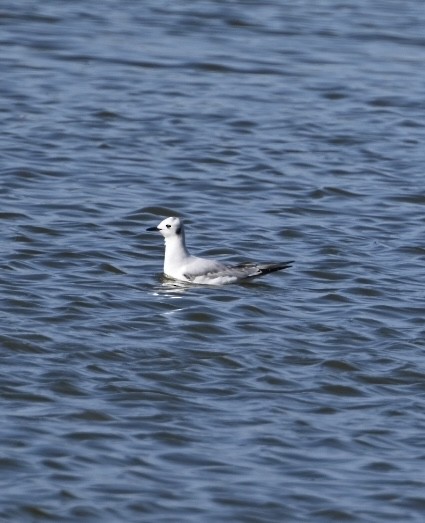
(168, 225)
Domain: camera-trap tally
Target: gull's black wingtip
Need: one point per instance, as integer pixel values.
(273, 267)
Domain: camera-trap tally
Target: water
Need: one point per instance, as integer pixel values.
(281, 131)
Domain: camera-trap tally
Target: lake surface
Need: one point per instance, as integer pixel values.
(278, 131)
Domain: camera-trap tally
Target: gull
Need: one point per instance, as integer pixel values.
(180, 265)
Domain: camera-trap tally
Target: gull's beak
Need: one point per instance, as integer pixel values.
(153, 229)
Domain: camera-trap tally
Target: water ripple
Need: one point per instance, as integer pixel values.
(277, 133)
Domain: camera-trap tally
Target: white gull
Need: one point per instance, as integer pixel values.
(180, 265)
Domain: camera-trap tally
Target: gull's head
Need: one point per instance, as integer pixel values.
(169, 227)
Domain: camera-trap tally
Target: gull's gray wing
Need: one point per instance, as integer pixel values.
(221, 274)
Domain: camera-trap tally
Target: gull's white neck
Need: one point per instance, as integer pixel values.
(175, 253)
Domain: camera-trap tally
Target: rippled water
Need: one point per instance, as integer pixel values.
(278, 131)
